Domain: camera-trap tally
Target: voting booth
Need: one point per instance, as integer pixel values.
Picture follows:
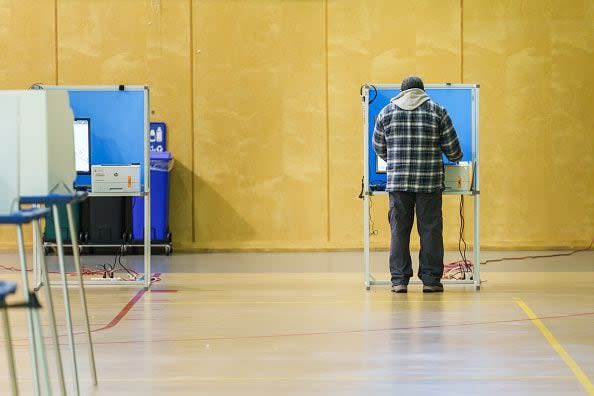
(42, 142)
(115, 120)
(462, 103)
(15, 107)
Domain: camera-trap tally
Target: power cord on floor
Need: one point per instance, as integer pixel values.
(589, 247)
(372, 229)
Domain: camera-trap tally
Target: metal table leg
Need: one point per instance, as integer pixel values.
(42, 358)
(50, 302)
(35, 363)
(83, 296)
(66, 297)
(9, 352)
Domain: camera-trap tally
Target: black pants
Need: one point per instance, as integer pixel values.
(429, 225)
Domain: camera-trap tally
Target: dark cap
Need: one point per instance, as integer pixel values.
(412, 82)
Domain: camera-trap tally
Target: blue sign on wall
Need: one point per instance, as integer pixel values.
(158, 136)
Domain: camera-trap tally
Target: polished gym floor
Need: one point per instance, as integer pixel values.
(303, 324)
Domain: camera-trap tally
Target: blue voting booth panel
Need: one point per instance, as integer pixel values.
(117, 126)
(459, 102)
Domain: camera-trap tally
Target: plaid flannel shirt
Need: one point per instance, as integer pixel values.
(411, 143)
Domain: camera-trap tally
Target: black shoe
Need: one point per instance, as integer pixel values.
(400, 288)
(433, 288)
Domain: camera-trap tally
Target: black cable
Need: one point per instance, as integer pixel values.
(540, 256)
(362, 187)
(374, 91)
(108, 270)
(464, 265)
(123, 266)
(372, 230)
(371, 100)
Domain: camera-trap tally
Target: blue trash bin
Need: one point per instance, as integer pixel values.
(160, 167)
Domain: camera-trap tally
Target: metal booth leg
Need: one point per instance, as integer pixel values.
(83, 296)
(9, 352)
(60, 248)
(50, 302)
(366, 252)
(477, 243)
(40, 343)
(38, 360)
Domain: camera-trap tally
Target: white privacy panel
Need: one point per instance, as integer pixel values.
(47, 142)
(9, 159)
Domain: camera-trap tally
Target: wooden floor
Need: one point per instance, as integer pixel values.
(228, 325)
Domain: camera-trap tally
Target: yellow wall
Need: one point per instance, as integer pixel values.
(534, 61)
(261, 101)
(260, 124)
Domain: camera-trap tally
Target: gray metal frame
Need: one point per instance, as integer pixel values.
(64, 283)
(14, 388)
(369, 279)
(51, 311)
(146, 282)
(37, 344)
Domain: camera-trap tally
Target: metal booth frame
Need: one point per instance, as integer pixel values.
(369, 279)
(145, 193)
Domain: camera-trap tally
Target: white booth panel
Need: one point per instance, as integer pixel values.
(47, 142)
(60, 124)
(9, 160)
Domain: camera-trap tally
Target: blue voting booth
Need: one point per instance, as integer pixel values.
(462, 103)
(458, 100)
(117, 119)
(117, 126)
(120, 134)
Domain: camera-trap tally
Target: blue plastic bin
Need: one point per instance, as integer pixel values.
(160, 166)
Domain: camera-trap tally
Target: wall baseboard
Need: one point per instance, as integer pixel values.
(309, 246)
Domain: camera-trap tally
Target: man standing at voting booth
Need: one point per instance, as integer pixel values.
(410, 134)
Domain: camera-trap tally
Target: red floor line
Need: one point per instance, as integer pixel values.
(128, 307)
(114, 322)
(123, 312)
